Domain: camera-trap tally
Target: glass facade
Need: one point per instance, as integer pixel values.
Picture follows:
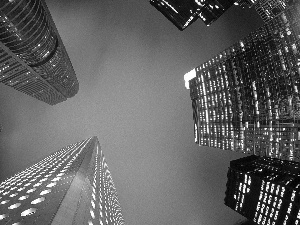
(246, 3)
(211, 10)
(184, 13)
(181, 14)
(27, 30)
(264, 190)
(75, 177)
(269, 9)
(21, 77)
(246, 98)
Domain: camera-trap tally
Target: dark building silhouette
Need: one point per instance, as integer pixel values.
(33, 58)
(213, 9)
(264, 190)
(71, 186)
(184, 13)
(245, 3)
(246, 98)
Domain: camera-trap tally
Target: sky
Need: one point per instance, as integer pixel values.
(130, 62)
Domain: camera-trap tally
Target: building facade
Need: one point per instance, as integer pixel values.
(211, 10)
(183, 14)
(33, 58)
(71, 186)
(246, 98)
(264, 190)
(269, 9)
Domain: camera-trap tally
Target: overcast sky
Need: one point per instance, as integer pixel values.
(130, 62)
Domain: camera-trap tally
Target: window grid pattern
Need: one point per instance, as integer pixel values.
(248, 95)
(21, 78)
(211, 10)
(184, 14)
(99, 202)
(27, 30)
(243, 189)
(269, 9)
(37, 191)
(269, 204)
(34, 195)
(271, 195)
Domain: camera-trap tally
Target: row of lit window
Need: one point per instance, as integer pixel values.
(243, 189)
(33, 170)
(106, 199)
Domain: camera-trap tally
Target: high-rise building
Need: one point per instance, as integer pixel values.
(246, 98)
(184, 13)
(71, 186)
(33, 58)
(265, 190)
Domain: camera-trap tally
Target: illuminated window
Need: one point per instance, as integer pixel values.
(28, 212)
(23, 197)
(13, 195)
(38, 200)
(31, 190)
(45, 192)
(4, 202)
(51, 184)
(3, 216)
(14, 206)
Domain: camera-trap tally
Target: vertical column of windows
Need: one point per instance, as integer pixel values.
(269, 204)
(205, 109)
(243, 189)
(31, 179)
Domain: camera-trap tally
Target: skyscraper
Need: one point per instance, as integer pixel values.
(33, 58)
(71, 186)
(246, 98)
(184, 13)
(264, 190)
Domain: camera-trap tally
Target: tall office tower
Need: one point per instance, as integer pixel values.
(33, 58)
(184, 13)
(246, 98)
(69, 187)
(264, 190)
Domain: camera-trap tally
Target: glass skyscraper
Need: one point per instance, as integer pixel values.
(33, 58)
(71, 186)
(183, 13)
(246, 98)
(264, 190)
